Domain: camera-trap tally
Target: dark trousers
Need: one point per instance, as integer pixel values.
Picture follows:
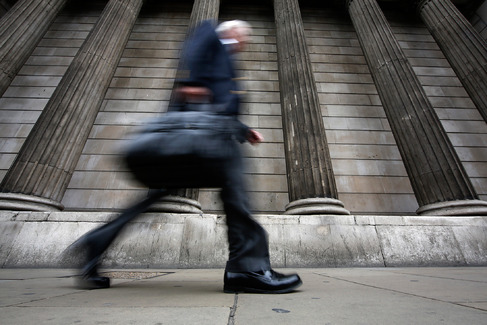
(248, 246)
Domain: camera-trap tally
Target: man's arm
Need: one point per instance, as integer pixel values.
(198, 55)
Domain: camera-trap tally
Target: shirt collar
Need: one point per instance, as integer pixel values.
(226, 41)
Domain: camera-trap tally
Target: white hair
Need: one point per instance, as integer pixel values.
(231, 24)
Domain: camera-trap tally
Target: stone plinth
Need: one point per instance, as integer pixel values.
(155, 240)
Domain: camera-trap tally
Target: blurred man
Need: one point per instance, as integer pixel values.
(210, 78)
(208, 59)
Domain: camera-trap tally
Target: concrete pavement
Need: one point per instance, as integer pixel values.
(445, 295)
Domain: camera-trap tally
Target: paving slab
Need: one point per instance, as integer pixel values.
(113, 315)
(337, 297)
(444, 285)
(447, 295)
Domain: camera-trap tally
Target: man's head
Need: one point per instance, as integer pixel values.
(236, 30)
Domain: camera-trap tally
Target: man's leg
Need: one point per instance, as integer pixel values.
(248, 268)
(248, 246)
(92, 245)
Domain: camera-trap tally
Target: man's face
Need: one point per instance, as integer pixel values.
(242, 35)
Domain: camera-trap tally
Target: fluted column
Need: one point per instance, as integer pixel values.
(312, 188)
(186, 200)
(21, 28)
(462, 45)
(203, 10)
(43, 168)
(439, 181)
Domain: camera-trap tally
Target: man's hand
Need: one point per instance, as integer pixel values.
(194, 94)
(254, 137)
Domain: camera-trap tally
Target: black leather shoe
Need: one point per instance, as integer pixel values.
(86, 254)
(90, 279)
(93, 282)
(260, 282)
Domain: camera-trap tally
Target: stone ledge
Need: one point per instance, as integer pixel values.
(157, 240)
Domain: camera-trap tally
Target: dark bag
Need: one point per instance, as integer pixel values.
(182, 149)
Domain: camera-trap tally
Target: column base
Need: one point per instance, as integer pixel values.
(454, 208)
(316, 206)
(24, 202)
(176, 204)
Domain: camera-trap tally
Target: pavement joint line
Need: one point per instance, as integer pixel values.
(381, 246)
(440, 277)
(40, 277)
(78, 291)
(402, 292)
(19, 305)
(471, 307)
(233, 310)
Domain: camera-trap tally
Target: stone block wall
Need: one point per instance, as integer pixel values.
(370, 175)
(261, 110)
(162, 240)
(479, 20)
(369, 171)
(460, 118)
(139, 92)
(29, 92)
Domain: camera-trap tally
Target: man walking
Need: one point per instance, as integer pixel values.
(210, 77)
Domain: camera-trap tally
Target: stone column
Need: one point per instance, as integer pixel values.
(437, 176)
(43, 168)
(21, 28)
(462, 45)
(312, 188)
(203, 10)
(186, 200)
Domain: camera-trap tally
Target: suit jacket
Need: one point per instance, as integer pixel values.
(208, 63)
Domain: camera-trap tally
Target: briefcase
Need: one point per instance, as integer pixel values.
(183, 149)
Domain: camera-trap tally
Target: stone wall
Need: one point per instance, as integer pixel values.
(139, 91)
(369, 171)
(479, 20)
(39, 239)
(370, 175)
(5, 6)
(460, 118)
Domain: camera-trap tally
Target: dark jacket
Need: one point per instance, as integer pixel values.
(207, 63)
